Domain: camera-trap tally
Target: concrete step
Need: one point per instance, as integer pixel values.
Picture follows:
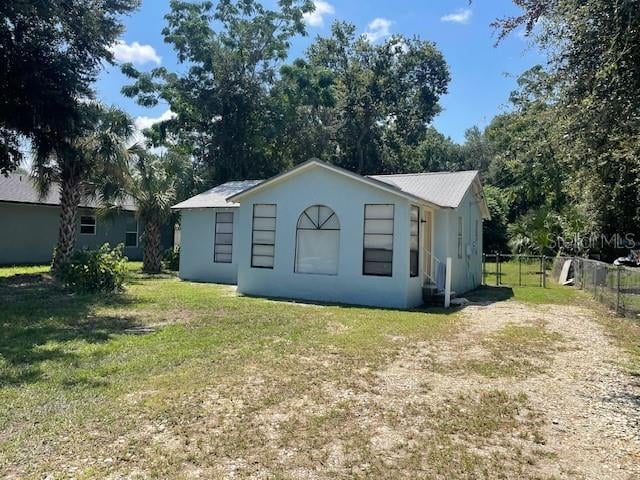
(433, 296)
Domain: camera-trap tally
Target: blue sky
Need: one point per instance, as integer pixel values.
(482, 75)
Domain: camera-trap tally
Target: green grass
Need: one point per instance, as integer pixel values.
(79, 371)
(174, 377)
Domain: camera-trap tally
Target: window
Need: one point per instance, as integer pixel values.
(459, 237)
(414, 242)
(263, 237)
(88, 224)
(378, 240)
(131, 233)
(475, 243)
(317, 241)
(223, 242)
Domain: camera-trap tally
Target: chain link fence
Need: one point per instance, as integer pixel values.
(515, 270)
(617, 287)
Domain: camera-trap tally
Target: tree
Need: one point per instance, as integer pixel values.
(394, 86)
(96, 149)
(593, 49)
(221, 103)
(50, 53)
(152, 182)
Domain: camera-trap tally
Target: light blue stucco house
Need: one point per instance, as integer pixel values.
(29, 224)
(319, 232)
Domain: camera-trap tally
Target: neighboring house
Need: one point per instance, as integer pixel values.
(319, 232)
(30, 224)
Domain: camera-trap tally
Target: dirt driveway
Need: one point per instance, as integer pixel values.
(581, 417)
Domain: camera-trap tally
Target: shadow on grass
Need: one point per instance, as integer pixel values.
(37, 318)
(487, 295)
(347, 306)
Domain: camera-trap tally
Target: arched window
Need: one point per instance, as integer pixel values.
(317, 241)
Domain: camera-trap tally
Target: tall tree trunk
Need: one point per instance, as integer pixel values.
(152, 255)
(70, 194)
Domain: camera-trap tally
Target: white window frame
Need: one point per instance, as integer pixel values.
(318, 226)
(127, 232)
(416, 235)
(94, 225)
(365, 235)
(216, 243)
(262, 244)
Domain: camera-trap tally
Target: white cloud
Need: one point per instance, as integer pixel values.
(143, 122)
(134, 53)
(462, 15)
(316, 18)
(378, 28)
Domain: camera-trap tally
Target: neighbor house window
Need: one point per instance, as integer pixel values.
(88, 224)
(223, 242)
(459, 237)
(414, 242)
(378, 240)
(317, 241)
(131, 233)
(263, 239)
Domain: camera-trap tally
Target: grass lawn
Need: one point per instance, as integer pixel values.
(175, 379)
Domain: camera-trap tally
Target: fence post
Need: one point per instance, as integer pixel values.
(544, 272)
(595, 276)
(618, 268)
(519, 270)
(484, 267)
(497, 269)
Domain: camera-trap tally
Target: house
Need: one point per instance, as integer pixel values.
(319, 232)
(30, 224)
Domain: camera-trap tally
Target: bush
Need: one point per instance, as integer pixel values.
(101, 270)
(171, 258)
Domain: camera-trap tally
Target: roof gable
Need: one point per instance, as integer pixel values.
(340, 171)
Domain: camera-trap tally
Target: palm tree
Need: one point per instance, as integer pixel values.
(151, 184)
(98, 148)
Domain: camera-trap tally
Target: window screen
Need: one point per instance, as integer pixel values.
(378, 240)
(223, 244)
(414, 242)
(131, 233)
(459, 237)
(317, 241)
(263, 238)
(88, 224)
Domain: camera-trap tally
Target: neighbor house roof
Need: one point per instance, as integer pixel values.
(20, 188)
(217, 196)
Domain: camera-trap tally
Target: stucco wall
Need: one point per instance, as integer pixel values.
(347, 198)
(466, 271)
(196, 250)
(29, 233)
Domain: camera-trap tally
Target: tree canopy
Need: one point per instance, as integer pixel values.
(51, 52)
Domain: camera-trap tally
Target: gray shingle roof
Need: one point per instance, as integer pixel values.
(18, 188)
(217, 196)
(445, 189)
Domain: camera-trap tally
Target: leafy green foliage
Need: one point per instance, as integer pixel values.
(101, 270)
(50, 54)
(591, 110)
(171, 258)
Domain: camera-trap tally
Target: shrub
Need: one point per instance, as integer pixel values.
(101, 270)
(171, 258)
